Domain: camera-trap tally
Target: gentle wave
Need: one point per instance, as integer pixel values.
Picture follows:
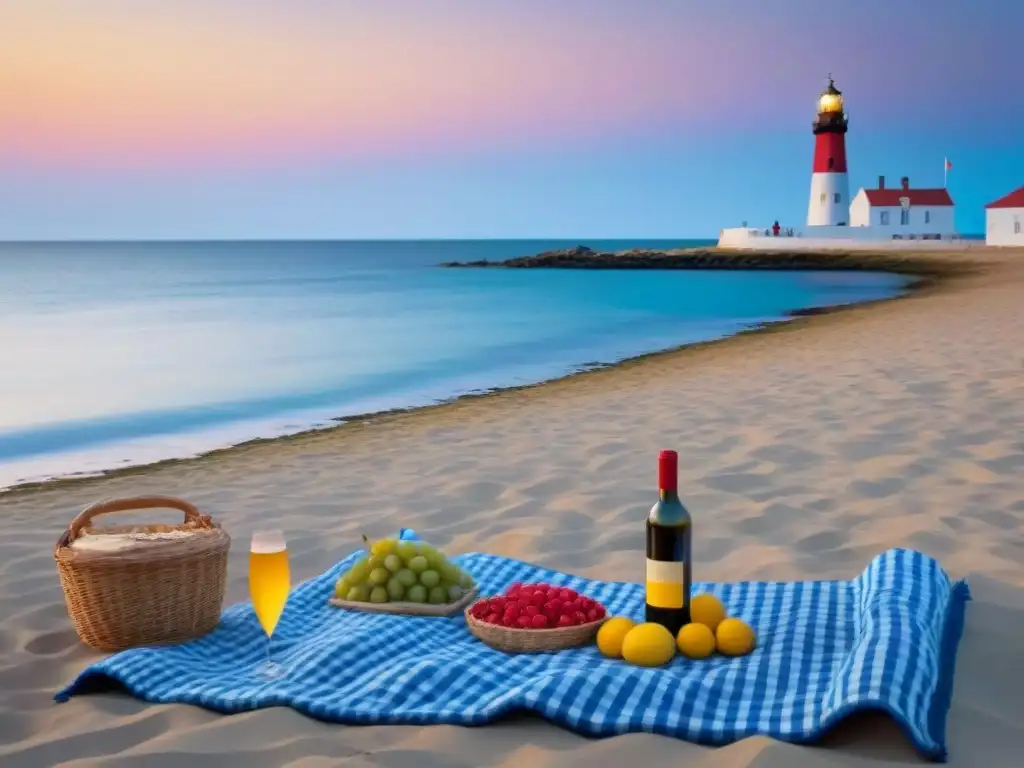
(123, 354)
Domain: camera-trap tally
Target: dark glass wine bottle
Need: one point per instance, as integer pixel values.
(669, 530)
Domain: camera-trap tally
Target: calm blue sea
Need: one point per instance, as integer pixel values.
(122, 353)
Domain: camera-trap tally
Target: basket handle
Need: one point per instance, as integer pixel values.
(130, 504)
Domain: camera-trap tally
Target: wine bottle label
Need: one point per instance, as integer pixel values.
(665, 583)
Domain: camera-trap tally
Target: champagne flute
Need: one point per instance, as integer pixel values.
(269, 585)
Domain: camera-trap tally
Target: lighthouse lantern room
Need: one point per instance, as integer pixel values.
(829, 205)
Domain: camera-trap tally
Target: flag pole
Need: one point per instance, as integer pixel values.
(945, 172)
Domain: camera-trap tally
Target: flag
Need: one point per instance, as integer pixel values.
(949, 165)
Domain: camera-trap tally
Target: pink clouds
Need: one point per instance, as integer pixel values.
(139, 87)
(146, 83)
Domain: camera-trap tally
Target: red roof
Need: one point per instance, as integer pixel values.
(890, 198)
(1013, 200)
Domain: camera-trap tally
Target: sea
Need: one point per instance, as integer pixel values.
(118, 354)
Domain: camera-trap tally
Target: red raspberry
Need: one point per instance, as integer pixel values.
(592, 615)
(539, 622)
(513, 589)
(512, 609)
(564, 621)
(493, 618)
(567, 594)
(523, 622)
(555, 604)
(531, 610)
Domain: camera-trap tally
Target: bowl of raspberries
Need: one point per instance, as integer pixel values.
(535, 617)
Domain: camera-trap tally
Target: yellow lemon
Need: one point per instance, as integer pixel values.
(696, 641)
(708, 610)
(735, 638)
(648, 645)
(611, 634)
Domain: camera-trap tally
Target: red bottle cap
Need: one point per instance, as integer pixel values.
(668, 471)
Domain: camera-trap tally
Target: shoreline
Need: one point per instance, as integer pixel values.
(806, 449)
(925, 272)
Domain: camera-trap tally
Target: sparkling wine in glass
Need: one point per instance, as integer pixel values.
(269, 585)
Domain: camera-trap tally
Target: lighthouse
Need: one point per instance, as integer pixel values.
(830, 187)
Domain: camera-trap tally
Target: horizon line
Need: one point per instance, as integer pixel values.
(159, 240)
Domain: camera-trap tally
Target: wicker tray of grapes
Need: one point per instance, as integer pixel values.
(404, 577)
(409, 608)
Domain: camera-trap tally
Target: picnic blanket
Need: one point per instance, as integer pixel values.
(885, 640)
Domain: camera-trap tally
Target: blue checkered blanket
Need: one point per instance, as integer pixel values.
(885, 640)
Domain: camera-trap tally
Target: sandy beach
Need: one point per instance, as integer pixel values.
(804, 452)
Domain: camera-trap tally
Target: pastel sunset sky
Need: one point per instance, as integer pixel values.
(486, 118)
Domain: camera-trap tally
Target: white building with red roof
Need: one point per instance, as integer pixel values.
(1004, 220)
(924, 213)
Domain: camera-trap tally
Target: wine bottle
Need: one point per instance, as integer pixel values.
(669, 530)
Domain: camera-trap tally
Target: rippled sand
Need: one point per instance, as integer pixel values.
(803, 453)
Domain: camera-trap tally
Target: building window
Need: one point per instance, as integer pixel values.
(831, 163)
(1016, 227)
(904, 217)
(836, 197)
(824, 197)
(883, 218)
(927, 217)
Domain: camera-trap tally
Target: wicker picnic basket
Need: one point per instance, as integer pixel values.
(142, 584)
(531, 640)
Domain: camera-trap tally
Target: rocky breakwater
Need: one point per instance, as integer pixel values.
(918, 264)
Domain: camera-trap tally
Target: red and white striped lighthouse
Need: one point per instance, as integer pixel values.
(830, 187)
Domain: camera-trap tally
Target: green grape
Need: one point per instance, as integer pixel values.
(418, 564)
(357, 573)
(384, 547)
(379, 576)
(342, 587)
(396, 590)
(454, 593)
(466, 581)
(358, 594)
(430, 579)
(379, 595)
(406, 577)
(377, 561)
(449, 571)
(438, 596)
(417, 594)
(393, 563)
(407, 550)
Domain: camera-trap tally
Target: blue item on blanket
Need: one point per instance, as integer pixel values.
(885, 640)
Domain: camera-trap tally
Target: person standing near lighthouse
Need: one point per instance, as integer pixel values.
(829, 205)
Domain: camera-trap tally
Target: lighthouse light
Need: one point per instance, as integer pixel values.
(830, 103)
